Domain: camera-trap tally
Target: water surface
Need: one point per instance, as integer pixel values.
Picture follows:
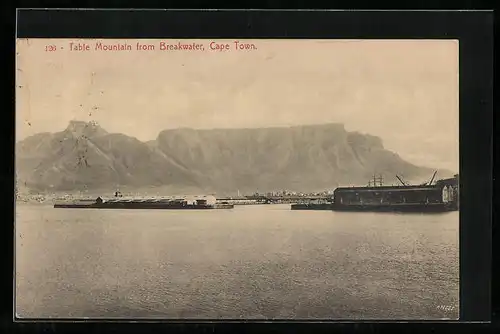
(259, 262)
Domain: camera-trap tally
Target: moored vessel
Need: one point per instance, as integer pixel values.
(442, 196)
(152, 203)
(311, 206)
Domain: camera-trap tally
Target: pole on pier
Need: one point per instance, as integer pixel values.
(402, 182)
(432, 179)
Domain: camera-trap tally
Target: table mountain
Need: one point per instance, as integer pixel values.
(299, 158)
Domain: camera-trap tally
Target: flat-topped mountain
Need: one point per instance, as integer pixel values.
(299, 158)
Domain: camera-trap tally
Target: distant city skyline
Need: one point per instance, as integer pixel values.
(405, 92)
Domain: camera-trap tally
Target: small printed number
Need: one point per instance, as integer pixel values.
(446, 307)
(50, 48)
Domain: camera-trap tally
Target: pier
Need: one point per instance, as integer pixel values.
(274, 199)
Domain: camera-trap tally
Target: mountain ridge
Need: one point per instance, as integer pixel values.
(84, 156)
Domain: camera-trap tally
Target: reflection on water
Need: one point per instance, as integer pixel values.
(260, 262)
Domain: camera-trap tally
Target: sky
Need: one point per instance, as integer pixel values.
(404, 91)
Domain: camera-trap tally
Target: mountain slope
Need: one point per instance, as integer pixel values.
(84, 156)
(301, 158)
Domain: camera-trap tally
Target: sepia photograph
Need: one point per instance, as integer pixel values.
(259, 179)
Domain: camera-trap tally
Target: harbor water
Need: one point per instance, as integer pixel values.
(252, 262)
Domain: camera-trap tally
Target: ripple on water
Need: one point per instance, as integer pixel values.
(253, 262)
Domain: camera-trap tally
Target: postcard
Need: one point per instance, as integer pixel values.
(237, 179)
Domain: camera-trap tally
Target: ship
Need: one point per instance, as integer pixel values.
(313, 205)
(429, 197)
(152, 203)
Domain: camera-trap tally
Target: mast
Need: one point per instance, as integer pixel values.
(376, 181)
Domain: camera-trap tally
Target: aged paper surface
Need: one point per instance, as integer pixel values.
(263, 131)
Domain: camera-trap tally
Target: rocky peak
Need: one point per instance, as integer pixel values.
(88, 129)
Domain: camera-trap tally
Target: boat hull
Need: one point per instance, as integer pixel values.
(312, 206)
(140, 206)
(411, 208)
